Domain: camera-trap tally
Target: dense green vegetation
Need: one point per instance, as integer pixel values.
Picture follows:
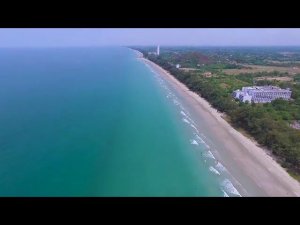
(187, 59)
(268, 123)
(297, 78)
(267, 56)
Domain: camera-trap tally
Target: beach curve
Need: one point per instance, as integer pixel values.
(247, 162)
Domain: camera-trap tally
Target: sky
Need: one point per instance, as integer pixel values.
(65, 37)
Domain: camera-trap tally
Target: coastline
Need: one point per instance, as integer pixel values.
(248, 163)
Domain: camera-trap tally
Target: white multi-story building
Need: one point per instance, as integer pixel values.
(262, 94)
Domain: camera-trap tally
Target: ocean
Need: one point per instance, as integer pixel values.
(97, 122)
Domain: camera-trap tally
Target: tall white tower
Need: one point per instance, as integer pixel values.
(157, 50)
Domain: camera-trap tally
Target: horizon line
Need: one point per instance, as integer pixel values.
(150, 45)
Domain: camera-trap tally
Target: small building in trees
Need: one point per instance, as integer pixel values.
(207, 74)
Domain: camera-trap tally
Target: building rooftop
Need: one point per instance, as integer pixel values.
(265, 88)
(262, 94)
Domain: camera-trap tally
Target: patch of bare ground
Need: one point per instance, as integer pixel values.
(295, 125)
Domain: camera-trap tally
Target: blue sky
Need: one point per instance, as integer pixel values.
(106, 37)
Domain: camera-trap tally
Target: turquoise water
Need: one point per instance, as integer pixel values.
(93, 122)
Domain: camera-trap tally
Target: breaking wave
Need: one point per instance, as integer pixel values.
(212, 169)
(209, 155)
(228, 186)
(221, 167)
(185, 120)
(194, 142)
(225, 194)
(193, 126)
(183, 113)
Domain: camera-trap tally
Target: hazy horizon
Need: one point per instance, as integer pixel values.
(154, 46)
(202, 37)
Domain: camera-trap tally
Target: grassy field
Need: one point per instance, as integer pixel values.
(189, 69)
(283, 62)
(275, 78)
(255, 69)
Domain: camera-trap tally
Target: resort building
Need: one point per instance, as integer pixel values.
(261, 94)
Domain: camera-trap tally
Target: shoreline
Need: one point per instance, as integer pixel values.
(256, 171)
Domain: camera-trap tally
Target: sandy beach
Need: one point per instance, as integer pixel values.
(256, 173)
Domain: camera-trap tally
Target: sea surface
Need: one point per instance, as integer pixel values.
(98, 122)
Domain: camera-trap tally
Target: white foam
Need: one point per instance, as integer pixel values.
(194, 142)
(203, 142)
(212, 169)
(185, 120)
(170, 95)
(183, 113)
(228, 186)
(203, 135)
(225, 194)
(206, 145)
(191, 120)
(209, 155)
(200, 139)
(194, 127)
(176, 102)
(220, 167)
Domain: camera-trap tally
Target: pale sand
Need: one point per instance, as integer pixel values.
(256, 173)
